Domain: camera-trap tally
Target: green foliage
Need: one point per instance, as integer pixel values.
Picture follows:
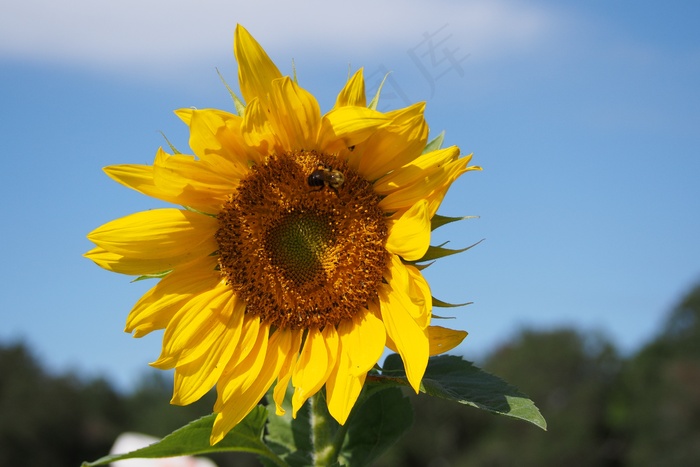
(656, 402)
(150, 410)
(601, 409)
(561, 371)
(290, 438)
(570, 376)
(63, 420)
(384, 417)
(52, 421)
(379, 418)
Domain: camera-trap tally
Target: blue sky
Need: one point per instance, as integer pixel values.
(585, 118)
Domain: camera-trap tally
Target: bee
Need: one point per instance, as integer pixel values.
(324, 176)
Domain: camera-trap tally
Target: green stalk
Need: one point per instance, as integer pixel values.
(323, 429)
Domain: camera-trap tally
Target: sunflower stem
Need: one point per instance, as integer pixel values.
(339, 438)
(323, 429)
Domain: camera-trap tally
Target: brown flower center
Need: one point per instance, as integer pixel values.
(303, 252)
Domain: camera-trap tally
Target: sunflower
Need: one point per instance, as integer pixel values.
(295, 255)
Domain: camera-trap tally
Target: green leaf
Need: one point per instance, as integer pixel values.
(439, 221)
(381, 420)
(436, 143)
(289, 438)
(193, 439)
(452, 378)
(380, 417)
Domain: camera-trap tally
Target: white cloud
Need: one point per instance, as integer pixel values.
(143, 36)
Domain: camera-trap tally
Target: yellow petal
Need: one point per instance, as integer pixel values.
(285, 373)
(394, 145)
(390, 345)
(363, 338)
(241, 371)
(409, 234)
(141, 178)
(419, 291)
(199, 336)
(195, 327)
(453, 172)
(343, 387)
(258, 132)
(250, 338)
(157, 234)
(280, 391)
(131, 266)
(215, 137)
(192, 182)
(135, 176)
(398, 311)
(432, 186)
(255, 69)
(354, 92)
(294, 115)
(281, 344)
(402, 280)
(416, 171)
(348, 126)
(332, 340)
(157, 306)
(196, 378)
(443, 340)
(177, 179)
(315, 363)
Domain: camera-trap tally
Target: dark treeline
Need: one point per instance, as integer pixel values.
(601, 409)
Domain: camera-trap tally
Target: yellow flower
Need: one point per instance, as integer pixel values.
(294, 258)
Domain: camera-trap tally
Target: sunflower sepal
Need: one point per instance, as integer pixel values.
(191, 209)
(439, 221)
(435, 143)
(422, 266)
(442, 304)
(237, 102)
(439, 251)
(375, 100)
(173, 149)
(157, 275)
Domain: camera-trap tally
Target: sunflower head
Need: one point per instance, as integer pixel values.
(294, 258)
(321, 242)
